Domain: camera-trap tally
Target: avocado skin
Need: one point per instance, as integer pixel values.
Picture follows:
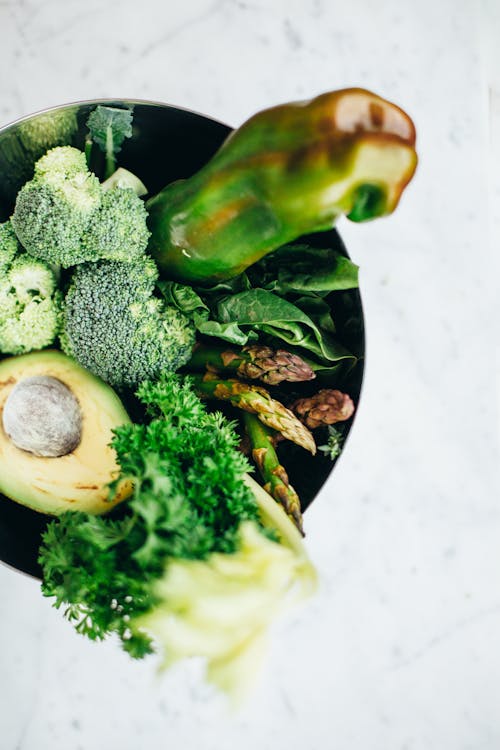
(77, 481)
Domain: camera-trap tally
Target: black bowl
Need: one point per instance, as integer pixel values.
(168, 143)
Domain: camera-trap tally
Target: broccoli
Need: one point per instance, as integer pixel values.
(115, 326)
(118, 230)
(64, 216)
(62, 163)
(8, 244)
(54, 209)
(30, 304)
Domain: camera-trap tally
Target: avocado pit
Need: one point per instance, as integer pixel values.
(42, 416)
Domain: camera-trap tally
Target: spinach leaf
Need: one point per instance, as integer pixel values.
(183, 297)
(230, 332)
(281, 296)
(318, 310)
(259, 309)
(303, 268)
(188, 301)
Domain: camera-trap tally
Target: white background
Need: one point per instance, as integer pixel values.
(401, 648)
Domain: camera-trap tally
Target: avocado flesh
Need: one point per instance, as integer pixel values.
(77, 481)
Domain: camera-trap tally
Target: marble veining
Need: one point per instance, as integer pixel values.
(400, 649)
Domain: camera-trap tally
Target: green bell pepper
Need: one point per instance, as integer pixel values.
(287, 171)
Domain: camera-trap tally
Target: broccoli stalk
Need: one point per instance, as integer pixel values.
(123, 178)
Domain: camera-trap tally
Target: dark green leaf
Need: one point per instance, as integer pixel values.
(183, 297)
(287, 302)
(303, 268)
(259, 309)
(190, 303)
(109, 126)
(230, 332)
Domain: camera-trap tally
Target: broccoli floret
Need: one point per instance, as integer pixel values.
(8, 244)
(59, 165)
(29, 277)
(64, 216)
(48, 226)
(54, 210)
(116, 328)
(118, 230)
(30, 304)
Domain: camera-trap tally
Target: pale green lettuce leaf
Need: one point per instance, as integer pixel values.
(221, 608)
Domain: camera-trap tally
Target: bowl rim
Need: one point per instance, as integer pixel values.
(109, 101)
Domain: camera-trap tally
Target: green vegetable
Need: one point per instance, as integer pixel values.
(281, 297)
(260, 310)
(108, 128)
(255, 399)
(221, 608)
(333, 447)
(25, 142)
(304, 268)
(186, 299)
(118, 229)
(116, 328)
(63, 215)
(244, 316)
(275, 477)
(124, 179)
(288, 171)
(54, 210)
(187, 555)
(30, 304)
(253, 362)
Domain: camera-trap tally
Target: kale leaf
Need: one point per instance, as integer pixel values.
(108, 128)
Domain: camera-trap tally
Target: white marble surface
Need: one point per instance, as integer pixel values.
(401, 648)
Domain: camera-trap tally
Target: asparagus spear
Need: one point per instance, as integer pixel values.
(272, 472)
(255, 399)
(253, 362)
(323, 408)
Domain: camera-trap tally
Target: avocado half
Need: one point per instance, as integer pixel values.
(78, 480)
